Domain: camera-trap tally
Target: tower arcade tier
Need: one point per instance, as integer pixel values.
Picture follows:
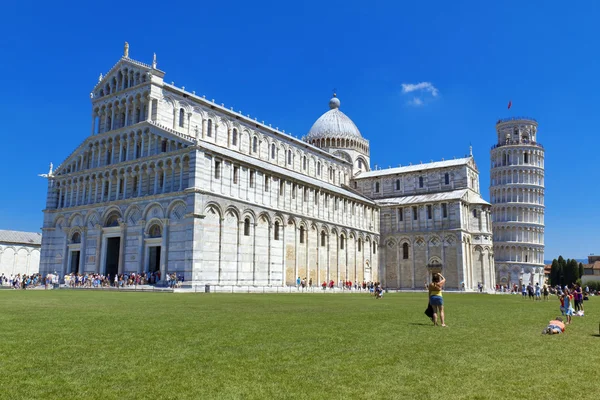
(517, 196)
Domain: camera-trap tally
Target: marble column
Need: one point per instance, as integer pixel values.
(164, 250)
(121, 266)
(98, 247)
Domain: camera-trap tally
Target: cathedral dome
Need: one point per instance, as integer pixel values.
(333, 124)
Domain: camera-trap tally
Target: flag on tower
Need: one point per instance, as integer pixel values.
(509, 104)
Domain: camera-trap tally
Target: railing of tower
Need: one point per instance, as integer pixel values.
(517, 142)
(502, 120)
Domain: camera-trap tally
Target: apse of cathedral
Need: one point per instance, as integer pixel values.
(168, 181)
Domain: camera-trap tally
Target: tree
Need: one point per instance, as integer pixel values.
(563, 265)
(555, 273)
(570, 272)
(580, 271)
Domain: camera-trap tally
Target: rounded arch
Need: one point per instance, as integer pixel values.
(76, 220)
(279, 217)
(153, 209)
(249, 213)
(111, 213)
(75, 236)
(264, 216)
(233, 210)
(59, 222)
(213, 208)
(150, 228)
(176, 210)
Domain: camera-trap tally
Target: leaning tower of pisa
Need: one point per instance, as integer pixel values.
(517, 195)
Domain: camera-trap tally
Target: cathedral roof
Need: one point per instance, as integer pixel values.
(29, 238)
(464, 194)
(414, 168)
(334, 124)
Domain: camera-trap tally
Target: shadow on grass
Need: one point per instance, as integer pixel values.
(421, 323)
(595, 334)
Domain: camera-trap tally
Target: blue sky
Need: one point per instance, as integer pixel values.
(279, 61)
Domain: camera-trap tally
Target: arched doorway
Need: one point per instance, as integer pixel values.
(111, 254)
(75, 254)
(153, 251)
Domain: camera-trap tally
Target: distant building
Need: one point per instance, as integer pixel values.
(517, 196)
(19, 252)
(591, 270)
(433, 219)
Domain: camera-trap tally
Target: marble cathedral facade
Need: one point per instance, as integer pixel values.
(169, 181)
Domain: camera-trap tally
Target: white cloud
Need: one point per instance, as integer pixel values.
(421, 87)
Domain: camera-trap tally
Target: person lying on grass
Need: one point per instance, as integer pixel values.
(554, 327)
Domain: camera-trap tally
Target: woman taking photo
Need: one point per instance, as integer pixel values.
(435, 298)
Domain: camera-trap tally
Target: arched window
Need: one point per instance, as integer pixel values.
(301, 234)
(405, 251)
(304, 163)
(420, 181)
(234, 135)
(289, 157)
(446, 178)
(374, 248)
(154, 231)
(112, 221)
(273, 150)
(247, 227)
(342, 242)
(209, 128)
(376, 187)
(323, 239)
(360, 164)
(397, 184)
(76, 238)
(319, 168)
(181, 118)
(254, 144)
(359, 244)
(276, 231)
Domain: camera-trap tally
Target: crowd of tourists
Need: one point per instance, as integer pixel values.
(305, 284)
(21, 281)
(93, 280)
(88, 280)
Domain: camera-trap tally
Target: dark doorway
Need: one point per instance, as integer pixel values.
(112, 256)
(75, 262)
(154, 259)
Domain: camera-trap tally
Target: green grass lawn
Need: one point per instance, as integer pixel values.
(107, 345)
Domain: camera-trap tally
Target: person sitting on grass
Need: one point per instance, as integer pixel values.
(554, 327)
(435, 298)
